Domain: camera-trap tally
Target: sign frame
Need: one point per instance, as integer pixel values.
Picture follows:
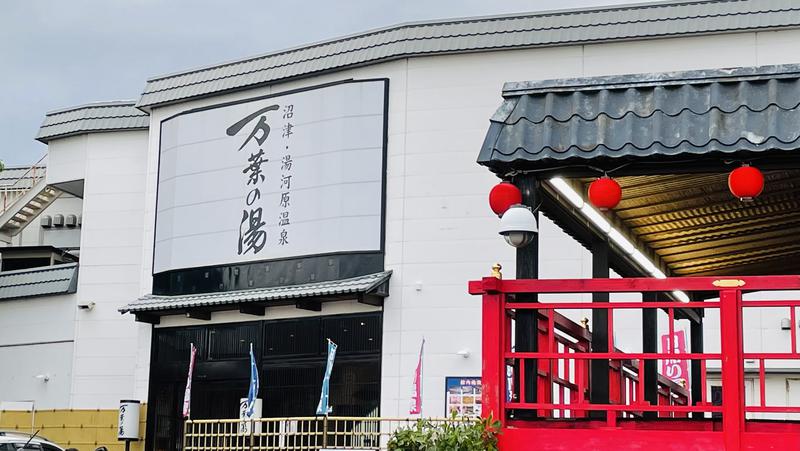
(476, 396)
(383, 190)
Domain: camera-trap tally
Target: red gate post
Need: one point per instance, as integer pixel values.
(492, 373)
(730, 323)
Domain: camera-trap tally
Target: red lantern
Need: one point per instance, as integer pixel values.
(605, 193)
(503, 196)
(746, 182)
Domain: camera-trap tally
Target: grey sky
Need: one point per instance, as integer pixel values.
(57, 53)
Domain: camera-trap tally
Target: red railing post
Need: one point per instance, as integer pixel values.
(493, 371)
(730, 319)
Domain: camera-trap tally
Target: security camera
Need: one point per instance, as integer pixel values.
(518, 225)
(86, 306)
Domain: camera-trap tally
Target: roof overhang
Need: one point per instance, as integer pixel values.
(625, 123)
(92, 118)
(369, 289)
(39, 282)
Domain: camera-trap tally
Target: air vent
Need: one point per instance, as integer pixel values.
(58, 221)
(47, 221)
(71, 221)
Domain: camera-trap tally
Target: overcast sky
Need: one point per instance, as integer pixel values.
(57, 53)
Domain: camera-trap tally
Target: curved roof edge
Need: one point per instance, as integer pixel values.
(552, 28)
(92, 117)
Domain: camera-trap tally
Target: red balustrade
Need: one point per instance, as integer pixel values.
(561, 415)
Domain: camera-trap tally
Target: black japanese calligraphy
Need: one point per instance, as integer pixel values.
(286, 181)
(253, 196)
(261, 126)
(251, 237)
(255, 173)
(286, 163)
(287, 130)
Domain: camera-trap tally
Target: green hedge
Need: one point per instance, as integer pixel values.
(426, 435)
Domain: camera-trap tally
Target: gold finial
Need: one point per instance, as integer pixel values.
(496, 271)
(585, 323)
(682, 382)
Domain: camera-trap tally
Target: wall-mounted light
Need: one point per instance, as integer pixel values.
(465, 353)
(86, 306)
(43, 377)
(518, 225)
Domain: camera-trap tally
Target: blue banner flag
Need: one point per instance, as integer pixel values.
(252, 394)
(322, 407)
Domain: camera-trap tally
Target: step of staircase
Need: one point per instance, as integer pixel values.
(26, 208)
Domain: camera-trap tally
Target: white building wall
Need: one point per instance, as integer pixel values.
(62, 237)
(440, 232)
(36, 339)
(106, 343)
(66, 159)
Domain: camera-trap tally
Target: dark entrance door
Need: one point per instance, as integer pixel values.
(291, 357)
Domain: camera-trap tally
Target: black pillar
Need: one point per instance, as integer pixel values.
(696, 378)
(526, 336)
(650, 344)
(599, 368)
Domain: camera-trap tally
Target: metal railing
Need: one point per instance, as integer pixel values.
(25, 182)
(296, 433)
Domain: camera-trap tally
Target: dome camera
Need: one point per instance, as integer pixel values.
(518, 225)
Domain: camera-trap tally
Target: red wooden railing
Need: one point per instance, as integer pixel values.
(564, 353)
(566, 381)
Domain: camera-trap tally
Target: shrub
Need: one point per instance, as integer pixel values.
(426, 435)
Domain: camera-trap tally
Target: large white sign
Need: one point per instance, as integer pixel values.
(285, 176)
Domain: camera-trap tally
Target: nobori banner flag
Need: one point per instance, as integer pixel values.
(323, 407)
(187, 395)
(252, 394)
(416, 395)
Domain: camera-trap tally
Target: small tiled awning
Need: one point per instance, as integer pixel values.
(606, 121)
(37, 282)
(369, 289)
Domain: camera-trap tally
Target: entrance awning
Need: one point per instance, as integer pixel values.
(670, 140)
(608, 121)
(369, 289)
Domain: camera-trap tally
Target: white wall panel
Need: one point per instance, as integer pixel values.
(110, 268)
(18, 381)
(37, 320)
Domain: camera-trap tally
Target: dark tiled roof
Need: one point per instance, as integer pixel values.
(44, 281)
(94, 117)
(544, 124)
(357, 285)
(483, 33)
